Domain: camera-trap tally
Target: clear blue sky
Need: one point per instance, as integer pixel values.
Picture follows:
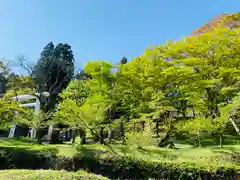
(100, 29)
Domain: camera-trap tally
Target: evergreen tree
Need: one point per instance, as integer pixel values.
(124, 60)
(53, 71)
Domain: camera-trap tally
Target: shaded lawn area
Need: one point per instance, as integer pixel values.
(61, 149)
(211, 156)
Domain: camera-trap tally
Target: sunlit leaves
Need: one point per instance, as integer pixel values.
(17, 92)
(8, 110)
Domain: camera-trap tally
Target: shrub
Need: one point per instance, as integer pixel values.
(114, 167)
(47, 175)
(140, 139)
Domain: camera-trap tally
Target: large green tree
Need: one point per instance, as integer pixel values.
(206, 68)
(53, 71)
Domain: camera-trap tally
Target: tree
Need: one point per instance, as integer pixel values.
(36, 120)
(82, 118)
(229, 113)
(53, 71)
(101, 85)
(197, 127)
(19, 85)
(206, 67)
(92, 98)
(143, 88)
(72, 98)
(8, 110)
(223, 20)
(124, 60)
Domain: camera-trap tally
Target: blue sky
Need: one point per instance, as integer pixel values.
(100, 29)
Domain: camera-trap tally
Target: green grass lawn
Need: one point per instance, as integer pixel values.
(210, 156)
(47, 175)
(62, 149)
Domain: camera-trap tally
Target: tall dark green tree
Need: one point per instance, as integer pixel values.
(53, 71)
(123, 60)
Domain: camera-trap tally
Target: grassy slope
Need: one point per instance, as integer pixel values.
(47, 174)
(62, 149)
(210, 157)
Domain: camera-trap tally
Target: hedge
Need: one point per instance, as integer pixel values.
(47, 175)
(112, 167)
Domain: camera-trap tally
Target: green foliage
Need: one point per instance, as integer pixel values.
(197, 126)
(9, 111)
(16, 92)
(17, 82)
(208, 65)
(140, 139)
(190, 85)
(195, 77)
(76, 90)
(87, 103)
(111, 166)
(53, 71)
(32, 119)
(47, 175)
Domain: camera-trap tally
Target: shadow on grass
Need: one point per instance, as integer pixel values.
(16, 142)
(26, 158)
(121, 152)
(206, 140)
(89, 152)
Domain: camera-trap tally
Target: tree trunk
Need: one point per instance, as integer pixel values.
(82, 135)
(122, 134)
(193, 111)
(73, 136)
(38, 134)
(50, 132)
(33, 133)
(164, 139)
(101, 135)
(184, 114)
(157, 127)
(199, 142)
(142, 125)
(66, 136)
(134, 126)
(220, 140)
(70, 133)
(83, 139)
(110, 134)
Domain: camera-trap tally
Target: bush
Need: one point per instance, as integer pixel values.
(140, 139)
(113, 167)
(11, 158)
(47, 175)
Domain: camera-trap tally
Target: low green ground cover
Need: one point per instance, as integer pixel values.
(47, 175)
(118, 160)
(205, 156)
